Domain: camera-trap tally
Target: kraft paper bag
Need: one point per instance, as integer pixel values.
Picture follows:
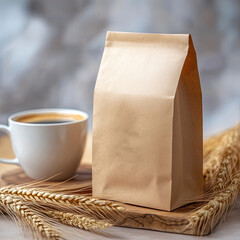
(147, 123)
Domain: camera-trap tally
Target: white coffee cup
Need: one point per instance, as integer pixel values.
(49, 150)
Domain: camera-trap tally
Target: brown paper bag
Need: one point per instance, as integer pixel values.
(147, 123)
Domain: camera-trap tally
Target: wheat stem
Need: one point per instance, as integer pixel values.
(208, 215)
(84, 202)
(79, 221)
(213, 142)
(15, 206)
(223, 180)
(222, 161)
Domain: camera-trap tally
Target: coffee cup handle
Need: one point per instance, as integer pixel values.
(6, 129)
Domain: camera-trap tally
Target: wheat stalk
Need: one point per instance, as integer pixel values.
(79, 221)
(213, 142)
(220, 174)
(228, 164)
(17, 208)
(91, 205)
(207, 216)
(222, 160)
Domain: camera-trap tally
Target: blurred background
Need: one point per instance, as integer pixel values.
(50, 50)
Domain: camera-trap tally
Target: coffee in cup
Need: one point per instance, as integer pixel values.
(49, 118)
(48, 143)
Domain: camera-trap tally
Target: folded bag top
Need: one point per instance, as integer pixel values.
(147, 121)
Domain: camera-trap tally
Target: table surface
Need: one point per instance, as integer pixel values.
(229, 230)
